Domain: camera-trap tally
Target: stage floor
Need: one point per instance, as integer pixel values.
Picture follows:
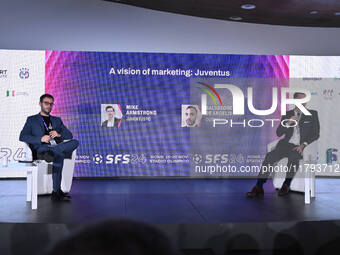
(170, 201)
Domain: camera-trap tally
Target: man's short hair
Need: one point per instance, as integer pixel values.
(191, 107)
(296, 94)
(108, 107)
(46, 95)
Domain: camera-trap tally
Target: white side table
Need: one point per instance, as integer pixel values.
(28, 171)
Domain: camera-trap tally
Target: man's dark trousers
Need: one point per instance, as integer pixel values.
(60, 152)
(282, 150)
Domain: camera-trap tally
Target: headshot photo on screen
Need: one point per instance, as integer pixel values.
(111, 115)
(191, 116)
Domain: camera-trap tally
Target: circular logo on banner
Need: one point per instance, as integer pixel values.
(97, 158)
(197, 158)
(24, 73)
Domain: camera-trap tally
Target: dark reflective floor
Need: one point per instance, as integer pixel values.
(170, 202)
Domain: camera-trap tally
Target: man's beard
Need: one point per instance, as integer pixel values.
(44, 111)
(189, 123)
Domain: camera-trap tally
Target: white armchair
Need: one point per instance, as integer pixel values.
(45, 184)
(304, 179)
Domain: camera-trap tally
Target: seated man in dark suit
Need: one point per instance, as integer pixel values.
(299, 131)
(45, 135)
(111, 121)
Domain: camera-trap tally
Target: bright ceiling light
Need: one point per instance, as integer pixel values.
(248, 6)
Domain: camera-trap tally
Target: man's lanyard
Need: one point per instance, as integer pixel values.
(46, 124)
(52, 141)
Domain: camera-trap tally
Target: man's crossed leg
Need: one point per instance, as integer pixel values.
(59, 152)
(282, 150)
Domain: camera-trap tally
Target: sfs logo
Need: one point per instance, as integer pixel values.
(217, 158)
(111, 159)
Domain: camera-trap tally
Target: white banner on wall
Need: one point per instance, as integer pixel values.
(321, 76)
(22, 82)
